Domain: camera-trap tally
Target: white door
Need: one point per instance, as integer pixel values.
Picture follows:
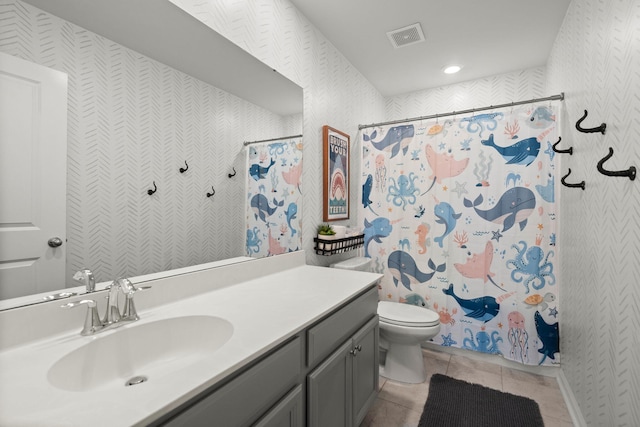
(33, 170)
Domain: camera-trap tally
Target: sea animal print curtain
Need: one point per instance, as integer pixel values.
(460, 215)
(274, 196)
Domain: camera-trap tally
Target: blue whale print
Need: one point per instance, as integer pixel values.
(260, 205)
(523, 152)
(447, 216)
(375, 230)
(397, 138)
(483, 308)
(258, 172)
(515, 205)
(292, 211)
(404, 269)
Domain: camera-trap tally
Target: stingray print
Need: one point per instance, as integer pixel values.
(549, 336)
(478, 266)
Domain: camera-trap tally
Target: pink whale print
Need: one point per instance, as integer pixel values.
(478, 266)
(443, 166)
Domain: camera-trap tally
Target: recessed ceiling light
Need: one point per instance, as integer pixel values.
(452, 69)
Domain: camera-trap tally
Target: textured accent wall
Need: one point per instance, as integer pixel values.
(132, 121)
(595, 61)
(499, 89)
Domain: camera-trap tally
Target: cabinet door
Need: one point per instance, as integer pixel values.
(365, 369)
(329, 390)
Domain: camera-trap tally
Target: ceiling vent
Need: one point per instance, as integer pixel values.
(406, 36)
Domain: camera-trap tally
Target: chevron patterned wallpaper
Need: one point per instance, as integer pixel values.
(499, 89)
(133, 121)
(595, 61)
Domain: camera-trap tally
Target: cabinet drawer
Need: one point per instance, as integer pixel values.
(287, 413)
(324, 337)
(241, 401)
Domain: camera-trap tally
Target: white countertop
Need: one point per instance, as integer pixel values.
(264, 312)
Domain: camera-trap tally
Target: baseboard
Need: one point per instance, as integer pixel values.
(570, 401)
(547, 371)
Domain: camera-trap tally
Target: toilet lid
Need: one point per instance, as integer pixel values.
(407, 314)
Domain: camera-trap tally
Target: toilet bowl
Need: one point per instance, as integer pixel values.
(402, 328)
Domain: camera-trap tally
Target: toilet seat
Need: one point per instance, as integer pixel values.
(407, 315)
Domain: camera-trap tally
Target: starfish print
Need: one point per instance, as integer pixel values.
(496, 235)
(553, 312)
(460, 190)
(540, 226)
(447, 341)
(549, 151)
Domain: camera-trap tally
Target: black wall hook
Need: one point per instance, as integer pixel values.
(580, 185)
(231, 175)
(602, 128)
(212, 192)
(183, 170)
(569, 150)
(155, 188)
(631, 172)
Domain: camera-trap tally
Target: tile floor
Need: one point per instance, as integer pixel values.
(400, 405)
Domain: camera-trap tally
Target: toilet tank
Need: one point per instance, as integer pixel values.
(356, 263)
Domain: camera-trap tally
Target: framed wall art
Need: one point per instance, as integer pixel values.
(335, 174)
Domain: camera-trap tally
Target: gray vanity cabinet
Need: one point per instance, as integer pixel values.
(326, 375)
(341, 389)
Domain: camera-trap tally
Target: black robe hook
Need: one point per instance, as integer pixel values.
(231, 175)
(155, 188)
(183, 170)
(557, 150)
(580, 185)
(602, 128)
(631, 172)
(212, 192)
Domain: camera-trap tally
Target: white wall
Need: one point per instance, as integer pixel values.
(595, 61)
(499, 89)
(132, 120)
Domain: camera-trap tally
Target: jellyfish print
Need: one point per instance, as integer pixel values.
(518, 337)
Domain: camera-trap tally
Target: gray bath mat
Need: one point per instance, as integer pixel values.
(453, 403)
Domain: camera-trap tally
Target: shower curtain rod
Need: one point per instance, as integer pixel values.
(472, 110)
(272, 139)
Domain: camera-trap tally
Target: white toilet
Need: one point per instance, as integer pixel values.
(402, 328)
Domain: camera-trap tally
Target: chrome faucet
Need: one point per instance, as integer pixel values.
(113, 317)
(85, 277)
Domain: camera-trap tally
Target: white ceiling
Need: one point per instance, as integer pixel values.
(485, 37)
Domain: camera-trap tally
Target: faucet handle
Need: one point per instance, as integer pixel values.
(129, 312)
(92, 322)
(85, 276)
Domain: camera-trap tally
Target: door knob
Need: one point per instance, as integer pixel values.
(54, 242)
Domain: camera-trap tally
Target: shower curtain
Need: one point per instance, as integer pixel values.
(274, 196)
(460, 215)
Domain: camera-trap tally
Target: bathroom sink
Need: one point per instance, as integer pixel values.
(140, 352)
